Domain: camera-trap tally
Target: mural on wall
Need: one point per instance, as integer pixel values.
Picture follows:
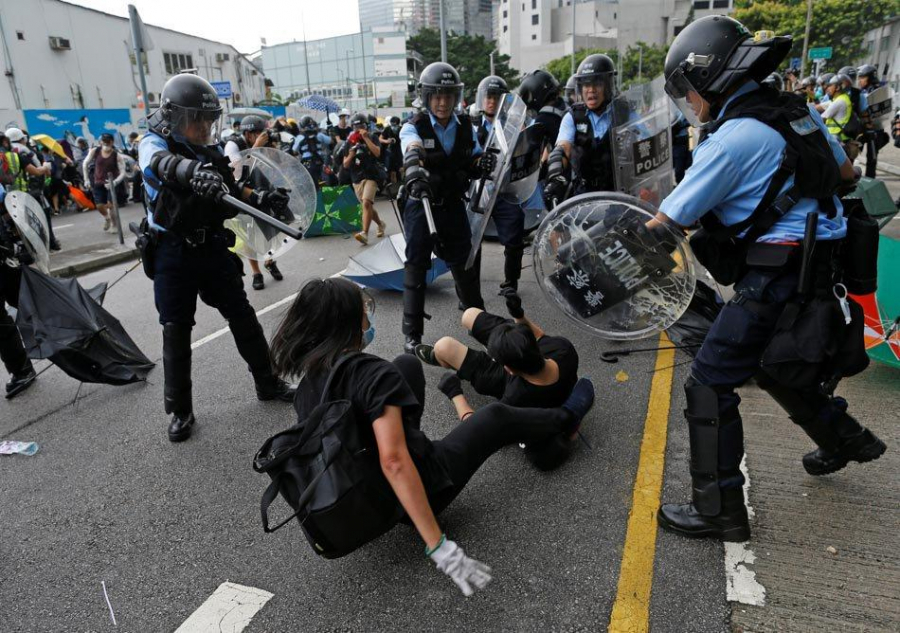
(90, 124)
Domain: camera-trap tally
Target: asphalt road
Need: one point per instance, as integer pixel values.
(108, 499)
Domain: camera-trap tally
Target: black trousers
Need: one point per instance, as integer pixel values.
(12, 352)
(468, 446)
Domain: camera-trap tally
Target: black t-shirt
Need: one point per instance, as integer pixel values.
(363, 165)
(342, 132)
(371, 383)
(392, 149)
(521, 393)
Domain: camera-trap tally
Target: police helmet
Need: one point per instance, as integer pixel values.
(308, 124)
(15, 135)
(774, 80)
(491, 87)
(395, 120)
(189, 111)
(850, 71)
(252, 123)
(570, 91)
(808, 82)
(839, 80)
(825, 79)
(359, 119)
(439, 78)
(537, 88)
(596, 70)
(867, 70)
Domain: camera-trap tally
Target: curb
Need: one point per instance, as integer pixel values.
(96, 263)
(888, 168)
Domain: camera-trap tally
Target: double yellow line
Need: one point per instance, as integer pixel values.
(631, 610)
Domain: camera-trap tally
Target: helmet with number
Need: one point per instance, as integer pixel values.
(490, 88)
(538, 88)
(597, 70)
(15, 135)
(189, 111)
(713, 56)
(774, 80)
(867, 70)
(439, 78)
(359, 119)
(308, 124)
(252, 123)
(571, 93)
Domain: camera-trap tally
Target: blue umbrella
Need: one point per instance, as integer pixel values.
(381, 266)
(318, 102)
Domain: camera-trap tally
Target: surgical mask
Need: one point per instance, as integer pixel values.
(369, 334)
(819, 93)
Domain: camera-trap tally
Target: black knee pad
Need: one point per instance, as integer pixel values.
(414, 299)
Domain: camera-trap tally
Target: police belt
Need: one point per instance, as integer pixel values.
(202, 237)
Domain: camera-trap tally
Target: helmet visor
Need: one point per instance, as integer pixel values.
(595, 90)
(488, 100)
(196, 126)
(439, 98)
(687, 98)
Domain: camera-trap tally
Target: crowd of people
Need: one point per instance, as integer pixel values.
(770, 156)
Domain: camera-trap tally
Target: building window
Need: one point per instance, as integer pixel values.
(678, 29)
(505, 28)
(504, 13)
(534, 4)
(143, 59)
(701, 4)
(721, 4)
(534, 18)
(177, 62)
(534, 37)
(21, 36)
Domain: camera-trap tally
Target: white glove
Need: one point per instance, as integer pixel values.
(464, 571)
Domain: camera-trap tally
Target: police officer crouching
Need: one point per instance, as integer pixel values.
(584, 134)
(762, 182)
(185, 174)
(440, 158)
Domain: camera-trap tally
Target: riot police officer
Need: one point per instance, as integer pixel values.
(185, 174)
(584, 134)
(867, 81)
(440, 156)
(570, 92)
(311, 146)
(540, 91)
(765, 171)
(12, 352)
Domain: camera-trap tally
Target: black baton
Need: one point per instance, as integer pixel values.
(255, 213)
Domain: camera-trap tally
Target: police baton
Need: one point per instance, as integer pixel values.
(429, 218)
(243, 207)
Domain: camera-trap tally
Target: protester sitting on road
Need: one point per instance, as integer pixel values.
(333, 317)
(522, 367)
(96, 168)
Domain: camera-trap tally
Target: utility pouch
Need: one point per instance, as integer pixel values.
(769, 256)
(725, 261)
(860, 253)
(146, 245)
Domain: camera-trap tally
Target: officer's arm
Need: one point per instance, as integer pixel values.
(172, 169)
(566, 136)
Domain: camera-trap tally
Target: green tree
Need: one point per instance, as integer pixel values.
(840, 24)
(641, 62)
(470, 55)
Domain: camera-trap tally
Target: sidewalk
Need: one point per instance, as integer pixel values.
(827, 550)
(86, 246)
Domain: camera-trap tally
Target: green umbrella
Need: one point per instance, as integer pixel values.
(338, 212)
(882, 308)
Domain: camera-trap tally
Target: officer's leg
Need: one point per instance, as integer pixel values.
(871, 158)
(13, 355)
(838, 436)
(175, 292)
(456, 238)
(509, 219)
(418, 261)
(221, 287)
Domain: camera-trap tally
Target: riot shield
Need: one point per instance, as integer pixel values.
(610, 267)
(880, 103)
(642, 142)
(522, 178)
(503, 139)
(31, 222)
(266, 167)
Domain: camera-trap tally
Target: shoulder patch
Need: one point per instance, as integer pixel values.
(428, 143)
(804, 125)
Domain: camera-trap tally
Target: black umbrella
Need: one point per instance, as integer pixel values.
(691, 329)
(61, 321)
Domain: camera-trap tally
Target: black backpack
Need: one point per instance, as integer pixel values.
(331, 476)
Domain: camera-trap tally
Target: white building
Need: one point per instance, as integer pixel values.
(882, 46)
(533, 32)
(465, 17)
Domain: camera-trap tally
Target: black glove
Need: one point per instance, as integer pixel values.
(450, 385)
(207, 183)
(416, 182)
(555, 191)
(513, 303)
(487, 163)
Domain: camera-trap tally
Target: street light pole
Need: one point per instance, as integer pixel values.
(806, 38)
(347, 55)
(492, 62)
(573, 37)
(443, 31)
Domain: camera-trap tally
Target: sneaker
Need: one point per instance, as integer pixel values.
(258, 281)
(272, 267)
(381, 227)
(362, 238)
(425, 353)
(106, 224)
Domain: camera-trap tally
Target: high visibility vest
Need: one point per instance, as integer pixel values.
(836, 126)
(14, 165)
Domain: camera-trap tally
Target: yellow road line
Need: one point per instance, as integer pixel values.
(631, 610)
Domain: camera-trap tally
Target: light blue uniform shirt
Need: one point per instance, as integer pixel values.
(731, 171)
(599, 123)
(151, 144)
(324, 142)
(446, 135)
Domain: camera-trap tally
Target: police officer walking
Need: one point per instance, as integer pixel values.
(584, 134)
(440, 156)
(766, 171)
(311, 146)
(185, 174)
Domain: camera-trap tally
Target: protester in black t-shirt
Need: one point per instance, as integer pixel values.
(333, 317)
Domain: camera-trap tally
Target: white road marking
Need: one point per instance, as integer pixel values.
(228, 610)
(740, 580)
(57, 227)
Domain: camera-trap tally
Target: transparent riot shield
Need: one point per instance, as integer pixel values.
(609, 266)
(524, 170)
(31, 222)
(503, 139)
(642, 142)
(881, 102)
(267, 168)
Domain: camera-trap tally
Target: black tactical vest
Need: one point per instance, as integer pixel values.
(592, 157)
(450, 173)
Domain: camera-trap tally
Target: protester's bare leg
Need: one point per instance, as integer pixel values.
(469, 316)
(450, 353)
(254, 266)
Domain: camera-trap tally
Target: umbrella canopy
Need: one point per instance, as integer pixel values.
(338, 212)
(318, 102)
(50, 144)
(81, 198)
(61, 321)
(882, 308)
(240, 113)
(381, 266)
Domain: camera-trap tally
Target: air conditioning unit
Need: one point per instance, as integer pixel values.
(153, 99)
(222, 57)
(236, 97)
(60, 44)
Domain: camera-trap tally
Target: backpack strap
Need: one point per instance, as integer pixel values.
(333, 373)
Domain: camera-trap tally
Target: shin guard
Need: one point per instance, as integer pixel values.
(177, 368)
(702, 414)
(414, 300)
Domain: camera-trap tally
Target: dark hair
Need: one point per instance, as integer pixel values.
(514, 345)
(323, 322)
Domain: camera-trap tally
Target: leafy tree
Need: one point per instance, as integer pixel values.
(470, 55)
(840, 24)
(649, 59)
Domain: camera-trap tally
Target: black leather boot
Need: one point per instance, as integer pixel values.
(14, 357)
(413, 306)
(851, 442)
(20, 381)
(270, 387)
(730, 524)
(177, 371)
(180, 426)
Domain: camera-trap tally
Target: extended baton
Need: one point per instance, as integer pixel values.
(255, 213)
(429, 218)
